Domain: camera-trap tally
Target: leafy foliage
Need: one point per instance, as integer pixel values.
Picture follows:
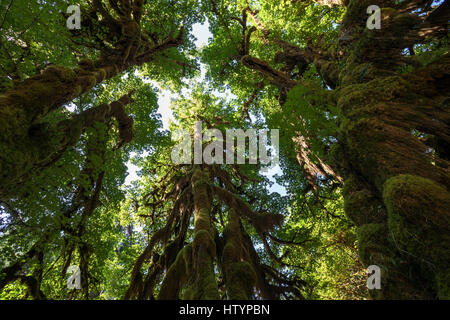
(78, 107)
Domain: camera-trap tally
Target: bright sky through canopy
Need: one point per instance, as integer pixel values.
(201, 32)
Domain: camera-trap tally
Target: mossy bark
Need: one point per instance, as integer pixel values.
(397, 187)
(43, 144)
(177, 275)
(240, 277)
(25, 104)
(202, 284)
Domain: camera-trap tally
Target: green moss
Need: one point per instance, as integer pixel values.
(209, 289)
(419, 217)
(188, 293)
(87, 82)
(356, 13)
(337, 157)
(62, 73)
(373, 245)
(328, 70)
(360, 205)
(36, 95)
(443, 284)
(364, 95)
(230, 252)
(100, 75)
(240, 279)
(419, 224)
(358, 73)
(419, 199)
(204, 238)
(5, 84)
(177, 275)
(204, 285)
(375, 127)
(200, 183)
(202, 221)
(399, 278)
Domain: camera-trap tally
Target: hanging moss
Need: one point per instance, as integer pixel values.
(230, 252)
(176, 275)
(100, 75)
(87, 82)
(25, 146)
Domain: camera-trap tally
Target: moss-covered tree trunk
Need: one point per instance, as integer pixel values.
(43, 144)
(393, 136)
(24, 106)
(239, 274)
(202, 284)
(396, 181)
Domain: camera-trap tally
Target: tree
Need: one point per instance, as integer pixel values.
(363, 113)
(115, 37)
(224, 223)
(61, 170)
(390, 111)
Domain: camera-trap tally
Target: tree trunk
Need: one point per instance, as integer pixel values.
(203, 284)
(240, 277)
(396, 187)
(42, 145)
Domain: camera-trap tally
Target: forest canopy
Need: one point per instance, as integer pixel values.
(348, 99)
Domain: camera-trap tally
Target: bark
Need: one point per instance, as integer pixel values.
(310, 169)
(240, 277)
(202, 284)
(43, 144)
(396, 190)
(23, 107)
